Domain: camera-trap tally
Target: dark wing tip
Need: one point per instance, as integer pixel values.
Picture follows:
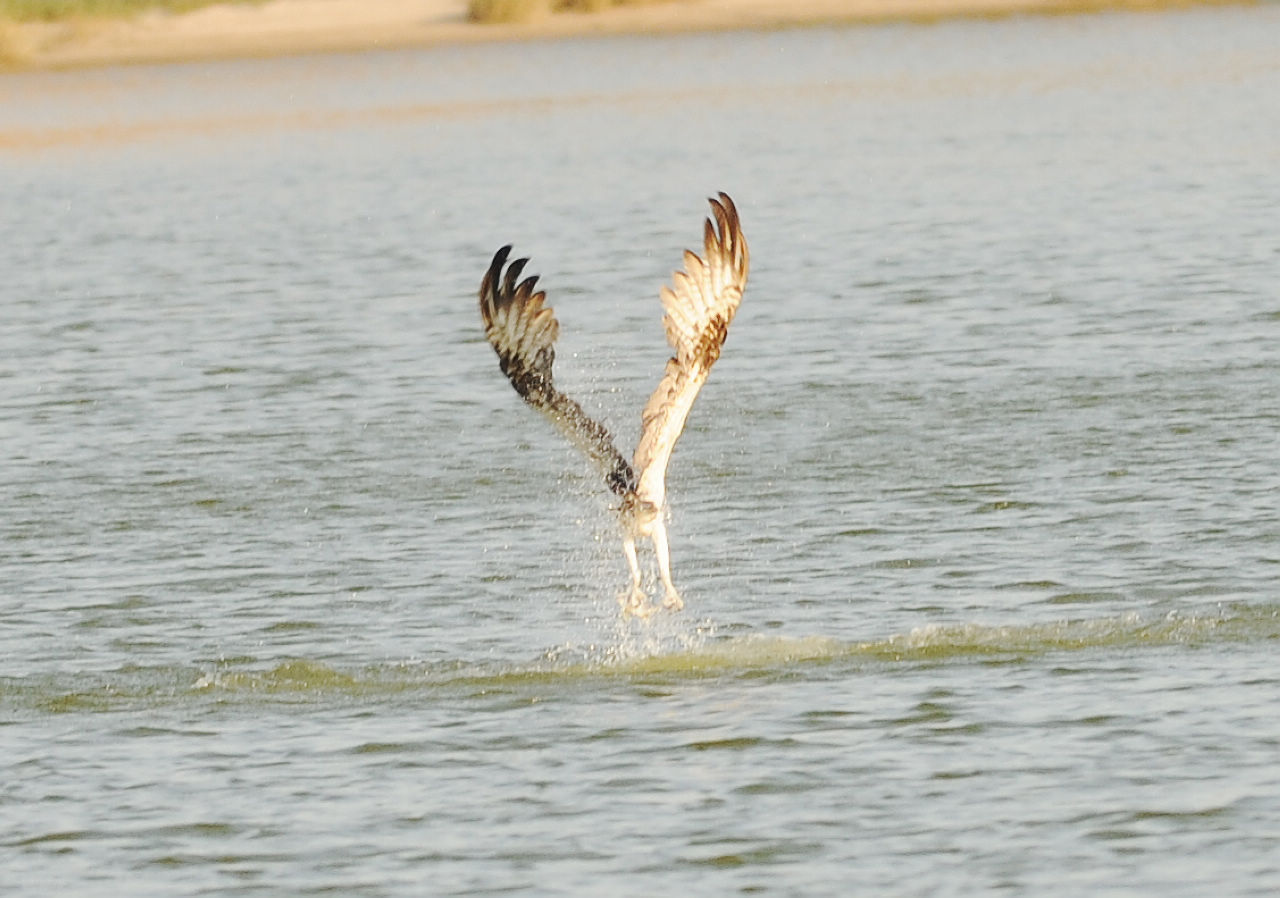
(512, 276)
(725, 203)
(499, 290)
(727, 235)
(495, 268)
(727, 230)
(524, 293)
(488, 286)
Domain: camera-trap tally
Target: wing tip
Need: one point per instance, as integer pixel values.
(499, 289)
(727, 237)
(725, 233)
(724, 202)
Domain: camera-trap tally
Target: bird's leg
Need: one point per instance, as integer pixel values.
(635, 602)
(671, 599)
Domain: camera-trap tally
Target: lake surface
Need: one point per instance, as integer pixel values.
(977, 521)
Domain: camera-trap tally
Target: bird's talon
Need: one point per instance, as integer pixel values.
(636, 604)
(642, 611)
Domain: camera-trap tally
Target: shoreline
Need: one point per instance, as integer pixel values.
(294, 27)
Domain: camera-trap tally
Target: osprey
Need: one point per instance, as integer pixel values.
(698, 307)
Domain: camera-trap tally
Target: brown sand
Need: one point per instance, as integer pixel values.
(311, 26)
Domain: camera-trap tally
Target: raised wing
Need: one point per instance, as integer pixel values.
(522, 330)
(699, 307)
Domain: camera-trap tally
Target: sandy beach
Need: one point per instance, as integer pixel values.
(313, 26)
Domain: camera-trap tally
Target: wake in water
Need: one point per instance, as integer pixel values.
(699, 652)
(668, 655)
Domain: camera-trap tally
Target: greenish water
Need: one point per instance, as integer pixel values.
(976, 520)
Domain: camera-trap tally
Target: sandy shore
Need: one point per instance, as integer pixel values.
(312, 26)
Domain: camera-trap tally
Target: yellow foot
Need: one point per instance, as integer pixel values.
(672, 601)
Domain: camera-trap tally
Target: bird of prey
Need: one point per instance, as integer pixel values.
(698, 307)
